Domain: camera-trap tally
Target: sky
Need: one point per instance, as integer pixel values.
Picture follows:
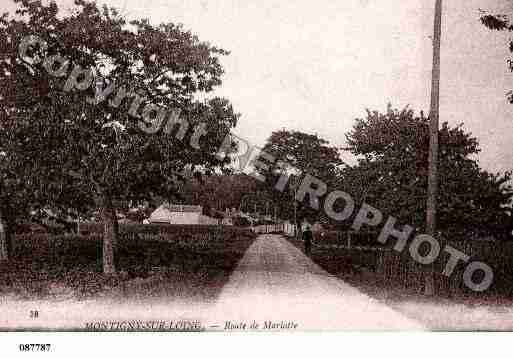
(315, 66)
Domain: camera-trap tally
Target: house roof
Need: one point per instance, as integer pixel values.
(182, 208)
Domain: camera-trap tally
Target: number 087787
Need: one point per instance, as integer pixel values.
(35, 347)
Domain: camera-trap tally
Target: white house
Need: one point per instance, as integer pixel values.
(181, 214)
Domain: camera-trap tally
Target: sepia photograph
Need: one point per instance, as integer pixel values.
(242, 166)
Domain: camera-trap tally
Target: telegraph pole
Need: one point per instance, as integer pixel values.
(432, 192)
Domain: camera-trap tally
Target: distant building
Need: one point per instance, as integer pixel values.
(227, 221)
(235, 217)
(228, 216)
(181, 214)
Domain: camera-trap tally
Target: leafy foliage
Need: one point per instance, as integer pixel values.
(303, 154)
(84, 151)
(500, 22)
(391, 174)
(219, 192)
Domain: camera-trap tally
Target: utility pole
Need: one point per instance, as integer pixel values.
(432, 192)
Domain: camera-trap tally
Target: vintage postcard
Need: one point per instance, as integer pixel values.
(255, 166)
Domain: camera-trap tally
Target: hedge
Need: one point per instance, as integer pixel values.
(97, 228)
(199, 258)
(400, 270)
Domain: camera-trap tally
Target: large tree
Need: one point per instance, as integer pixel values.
(299, 154)
(220, 191)
(19, 190)
(96, 145)
(391, 174)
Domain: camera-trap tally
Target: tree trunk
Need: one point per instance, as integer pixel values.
(4, 254)
(7, 236)
(109, 237)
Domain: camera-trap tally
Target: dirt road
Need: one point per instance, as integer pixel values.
(275, 286)
(276, 283)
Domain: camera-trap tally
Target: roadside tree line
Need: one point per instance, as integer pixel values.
(389, 171)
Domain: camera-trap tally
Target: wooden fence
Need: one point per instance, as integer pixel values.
(282, 228)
